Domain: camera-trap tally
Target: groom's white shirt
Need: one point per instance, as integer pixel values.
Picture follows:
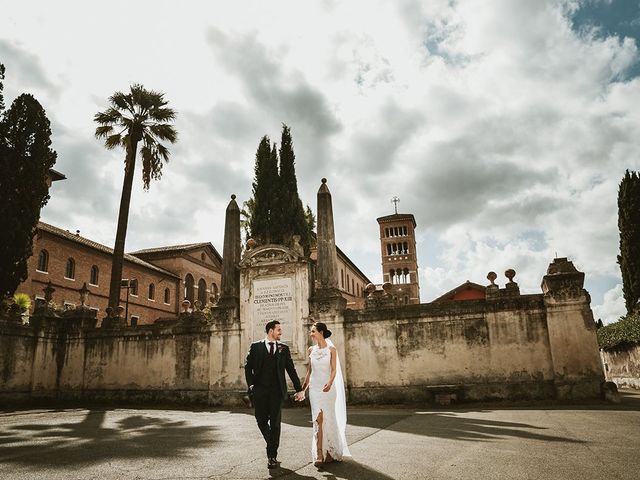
(266, 343)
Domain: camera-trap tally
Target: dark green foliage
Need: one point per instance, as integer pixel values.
(311, 226)
(629, 226)
(290, 215)
(1, 87)
(275, 212)
(265, 190)
(25, 159)
(625, 331)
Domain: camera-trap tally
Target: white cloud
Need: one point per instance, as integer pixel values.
(503, 130)
(612, 308)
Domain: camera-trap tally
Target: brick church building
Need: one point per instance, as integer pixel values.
(158, 278)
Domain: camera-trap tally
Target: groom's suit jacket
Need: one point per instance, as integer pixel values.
(255, 359)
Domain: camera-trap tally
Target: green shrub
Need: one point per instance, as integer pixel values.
(22, 301)
(625, 331)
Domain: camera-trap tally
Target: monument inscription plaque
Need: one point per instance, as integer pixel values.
(272, 299)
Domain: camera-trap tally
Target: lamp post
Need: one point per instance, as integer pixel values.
(128, 284)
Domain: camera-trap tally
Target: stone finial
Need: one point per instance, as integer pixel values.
(185, 305)
(327, 266)
(387, 287)
(119, 310)
(370, 288)
(251, 244)
(491, 276)
(295, 245)
(84, 295)
(109, 311)
(510, 273)
(230, 288)
(198, 305)
(48, 292)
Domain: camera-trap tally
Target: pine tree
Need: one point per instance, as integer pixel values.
(629, 226)
(25, 159)
(265, 186)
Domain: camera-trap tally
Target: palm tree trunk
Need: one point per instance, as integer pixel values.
(123, 219)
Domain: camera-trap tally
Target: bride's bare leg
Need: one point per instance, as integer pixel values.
(319, 458)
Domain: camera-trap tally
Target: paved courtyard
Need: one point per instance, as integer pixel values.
(490, 441)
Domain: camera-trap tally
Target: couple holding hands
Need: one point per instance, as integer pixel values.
(266, 363)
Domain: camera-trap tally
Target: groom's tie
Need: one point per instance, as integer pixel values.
(270, 348)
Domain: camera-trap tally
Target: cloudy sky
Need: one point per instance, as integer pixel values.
(503, 126)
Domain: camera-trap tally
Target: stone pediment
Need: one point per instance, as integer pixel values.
(269, 255)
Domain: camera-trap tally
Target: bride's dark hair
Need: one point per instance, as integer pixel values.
(321, 327)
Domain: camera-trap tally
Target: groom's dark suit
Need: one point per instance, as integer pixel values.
(268, 388)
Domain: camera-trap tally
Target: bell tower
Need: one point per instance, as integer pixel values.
(399, 257)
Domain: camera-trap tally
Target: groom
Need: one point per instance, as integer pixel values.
(264, 371)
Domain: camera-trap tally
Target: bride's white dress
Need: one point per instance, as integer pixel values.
(331, 404)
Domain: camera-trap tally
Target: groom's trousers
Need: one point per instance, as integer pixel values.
(268, 412)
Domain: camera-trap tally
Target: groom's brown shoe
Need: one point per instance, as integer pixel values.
(273, 463)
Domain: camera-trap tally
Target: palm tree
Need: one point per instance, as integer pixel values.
(138, 117)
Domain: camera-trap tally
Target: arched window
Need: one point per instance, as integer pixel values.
(202, 292)
(134, 287)
(70, 270)
(202, 256)
(406, 247)
(214, 290)
(167, 296)
(93, 279)
(188, 288)
(405, 276)
(43, 261)
(152, 291)
(388, 249)
(347, 282)
(342, 278)
(391, 276)
(353, 286)
(405, 230)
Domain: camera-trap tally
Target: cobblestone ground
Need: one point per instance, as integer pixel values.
(491, 441)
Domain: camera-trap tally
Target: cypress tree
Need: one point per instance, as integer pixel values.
(1, 88)
(25, 159)
(265, 185)
(629, 227)
(292, 219)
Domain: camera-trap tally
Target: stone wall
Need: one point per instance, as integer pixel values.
(506, 346)
(472, 350)
(188, 360)
(622, 365)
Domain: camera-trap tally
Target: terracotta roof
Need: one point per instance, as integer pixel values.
(465, 286)
(177, 249)
(98, 246)
(396, 217)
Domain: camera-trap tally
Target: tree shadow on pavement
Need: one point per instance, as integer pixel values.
(94, 440)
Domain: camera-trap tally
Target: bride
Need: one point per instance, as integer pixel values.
(327, 397)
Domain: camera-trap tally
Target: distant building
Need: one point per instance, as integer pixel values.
(399, 256)
(351, 280)
(467, 291)
(158, 285)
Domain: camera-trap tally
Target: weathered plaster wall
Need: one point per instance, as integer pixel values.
(473, 349)
(622, 365)
(189, 360)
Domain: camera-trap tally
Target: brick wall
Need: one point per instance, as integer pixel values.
(66, 290)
